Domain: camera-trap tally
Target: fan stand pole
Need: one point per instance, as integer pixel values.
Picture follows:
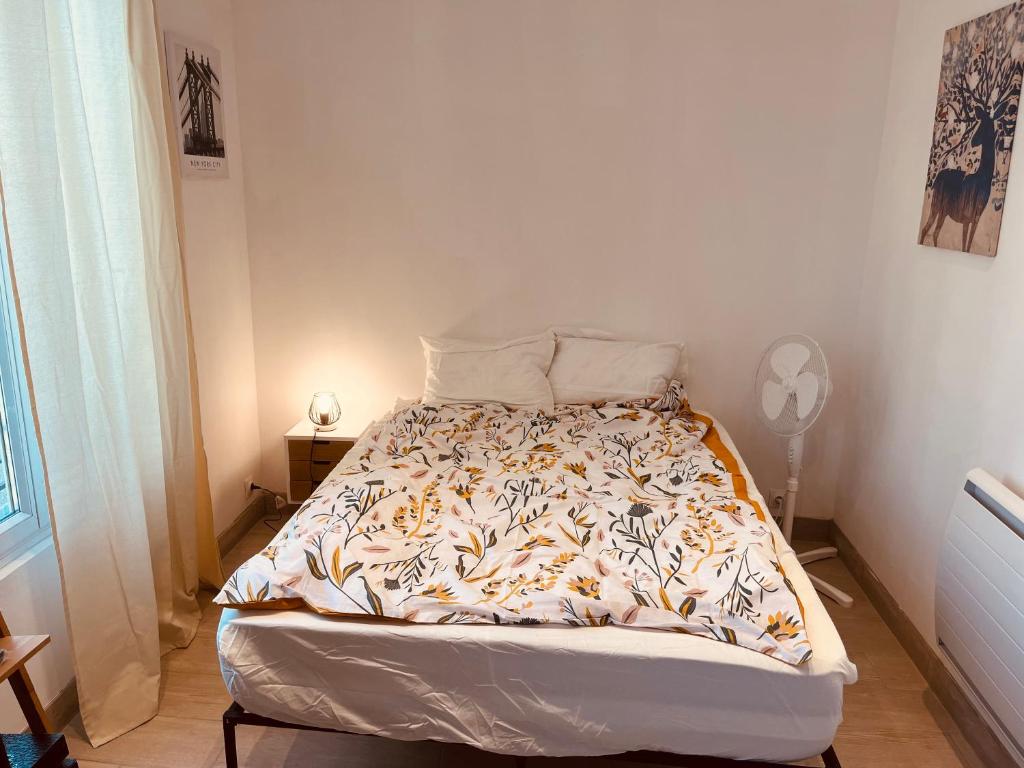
(794, 458)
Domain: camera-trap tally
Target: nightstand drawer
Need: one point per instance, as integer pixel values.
(306, 470)
(320, 450)
(300, 490)
(312, 455)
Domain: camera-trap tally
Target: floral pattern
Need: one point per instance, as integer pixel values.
(624, 513)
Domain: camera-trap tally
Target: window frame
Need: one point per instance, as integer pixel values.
(29, 524)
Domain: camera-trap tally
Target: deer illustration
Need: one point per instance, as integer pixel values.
(963, 196)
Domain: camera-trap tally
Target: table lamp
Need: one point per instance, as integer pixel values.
(324, 411)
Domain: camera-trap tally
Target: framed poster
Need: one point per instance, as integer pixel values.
(194, 75)
(975, 119)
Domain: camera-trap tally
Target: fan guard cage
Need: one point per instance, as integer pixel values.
(788, 422)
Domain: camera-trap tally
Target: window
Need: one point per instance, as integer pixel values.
(8, 491)
(23, 518)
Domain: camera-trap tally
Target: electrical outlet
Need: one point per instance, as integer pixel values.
(248, 486)
(776, 498)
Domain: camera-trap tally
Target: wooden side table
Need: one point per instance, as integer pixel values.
(311, 457)
(39, 748)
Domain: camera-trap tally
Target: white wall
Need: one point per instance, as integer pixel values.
(217, 265)
(940, 364)
(698, 171)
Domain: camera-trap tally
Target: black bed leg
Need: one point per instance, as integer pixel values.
(830, 758)
(520, 761)
(230, 750)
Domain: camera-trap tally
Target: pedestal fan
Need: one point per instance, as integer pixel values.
(792, 385)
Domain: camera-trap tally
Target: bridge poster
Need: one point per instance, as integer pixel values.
(975, 118)
(195, 79)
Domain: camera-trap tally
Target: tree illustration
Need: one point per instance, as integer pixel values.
(982, 66)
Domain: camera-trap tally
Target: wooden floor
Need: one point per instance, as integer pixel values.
(891, 718)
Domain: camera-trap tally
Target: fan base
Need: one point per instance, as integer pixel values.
(824, 553)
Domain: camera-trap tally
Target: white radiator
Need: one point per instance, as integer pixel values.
(979, 603)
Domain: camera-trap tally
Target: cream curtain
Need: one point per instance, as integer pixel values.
(93, 248)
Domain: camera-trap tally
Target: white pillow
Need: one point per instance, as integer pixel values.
(682, 369)
(587, 370)
(512, 373)
(581, 332)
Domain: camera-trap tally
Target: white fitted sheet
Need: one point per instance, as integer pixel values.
(542, 690)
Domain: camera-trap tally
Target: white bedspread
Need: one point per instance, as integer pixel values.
(542, 690)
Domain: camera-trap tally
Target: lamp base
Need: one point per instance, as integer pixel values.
(322, 428)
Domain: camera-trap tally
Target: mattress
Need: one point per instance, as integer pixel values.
(542, 690)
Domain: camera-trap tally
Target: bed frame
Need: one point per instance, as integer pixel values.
(235, 715)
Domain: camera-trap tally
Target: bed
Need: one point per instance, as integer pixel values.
(588, 663)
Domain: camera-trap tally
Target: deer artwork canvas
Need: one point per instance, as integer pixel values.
(975, 118)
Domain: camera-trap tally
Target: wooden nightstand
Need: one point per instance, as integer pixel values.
(311, 457)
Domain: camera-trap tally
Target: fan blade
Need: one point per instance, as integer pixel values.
(806, 393)
(773, 399)
(789, 358)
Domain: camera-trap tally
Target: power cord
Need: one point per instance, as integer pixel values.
(279, 505)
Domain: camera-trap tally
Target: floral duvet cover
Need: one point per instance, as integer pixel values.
(628, 513)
